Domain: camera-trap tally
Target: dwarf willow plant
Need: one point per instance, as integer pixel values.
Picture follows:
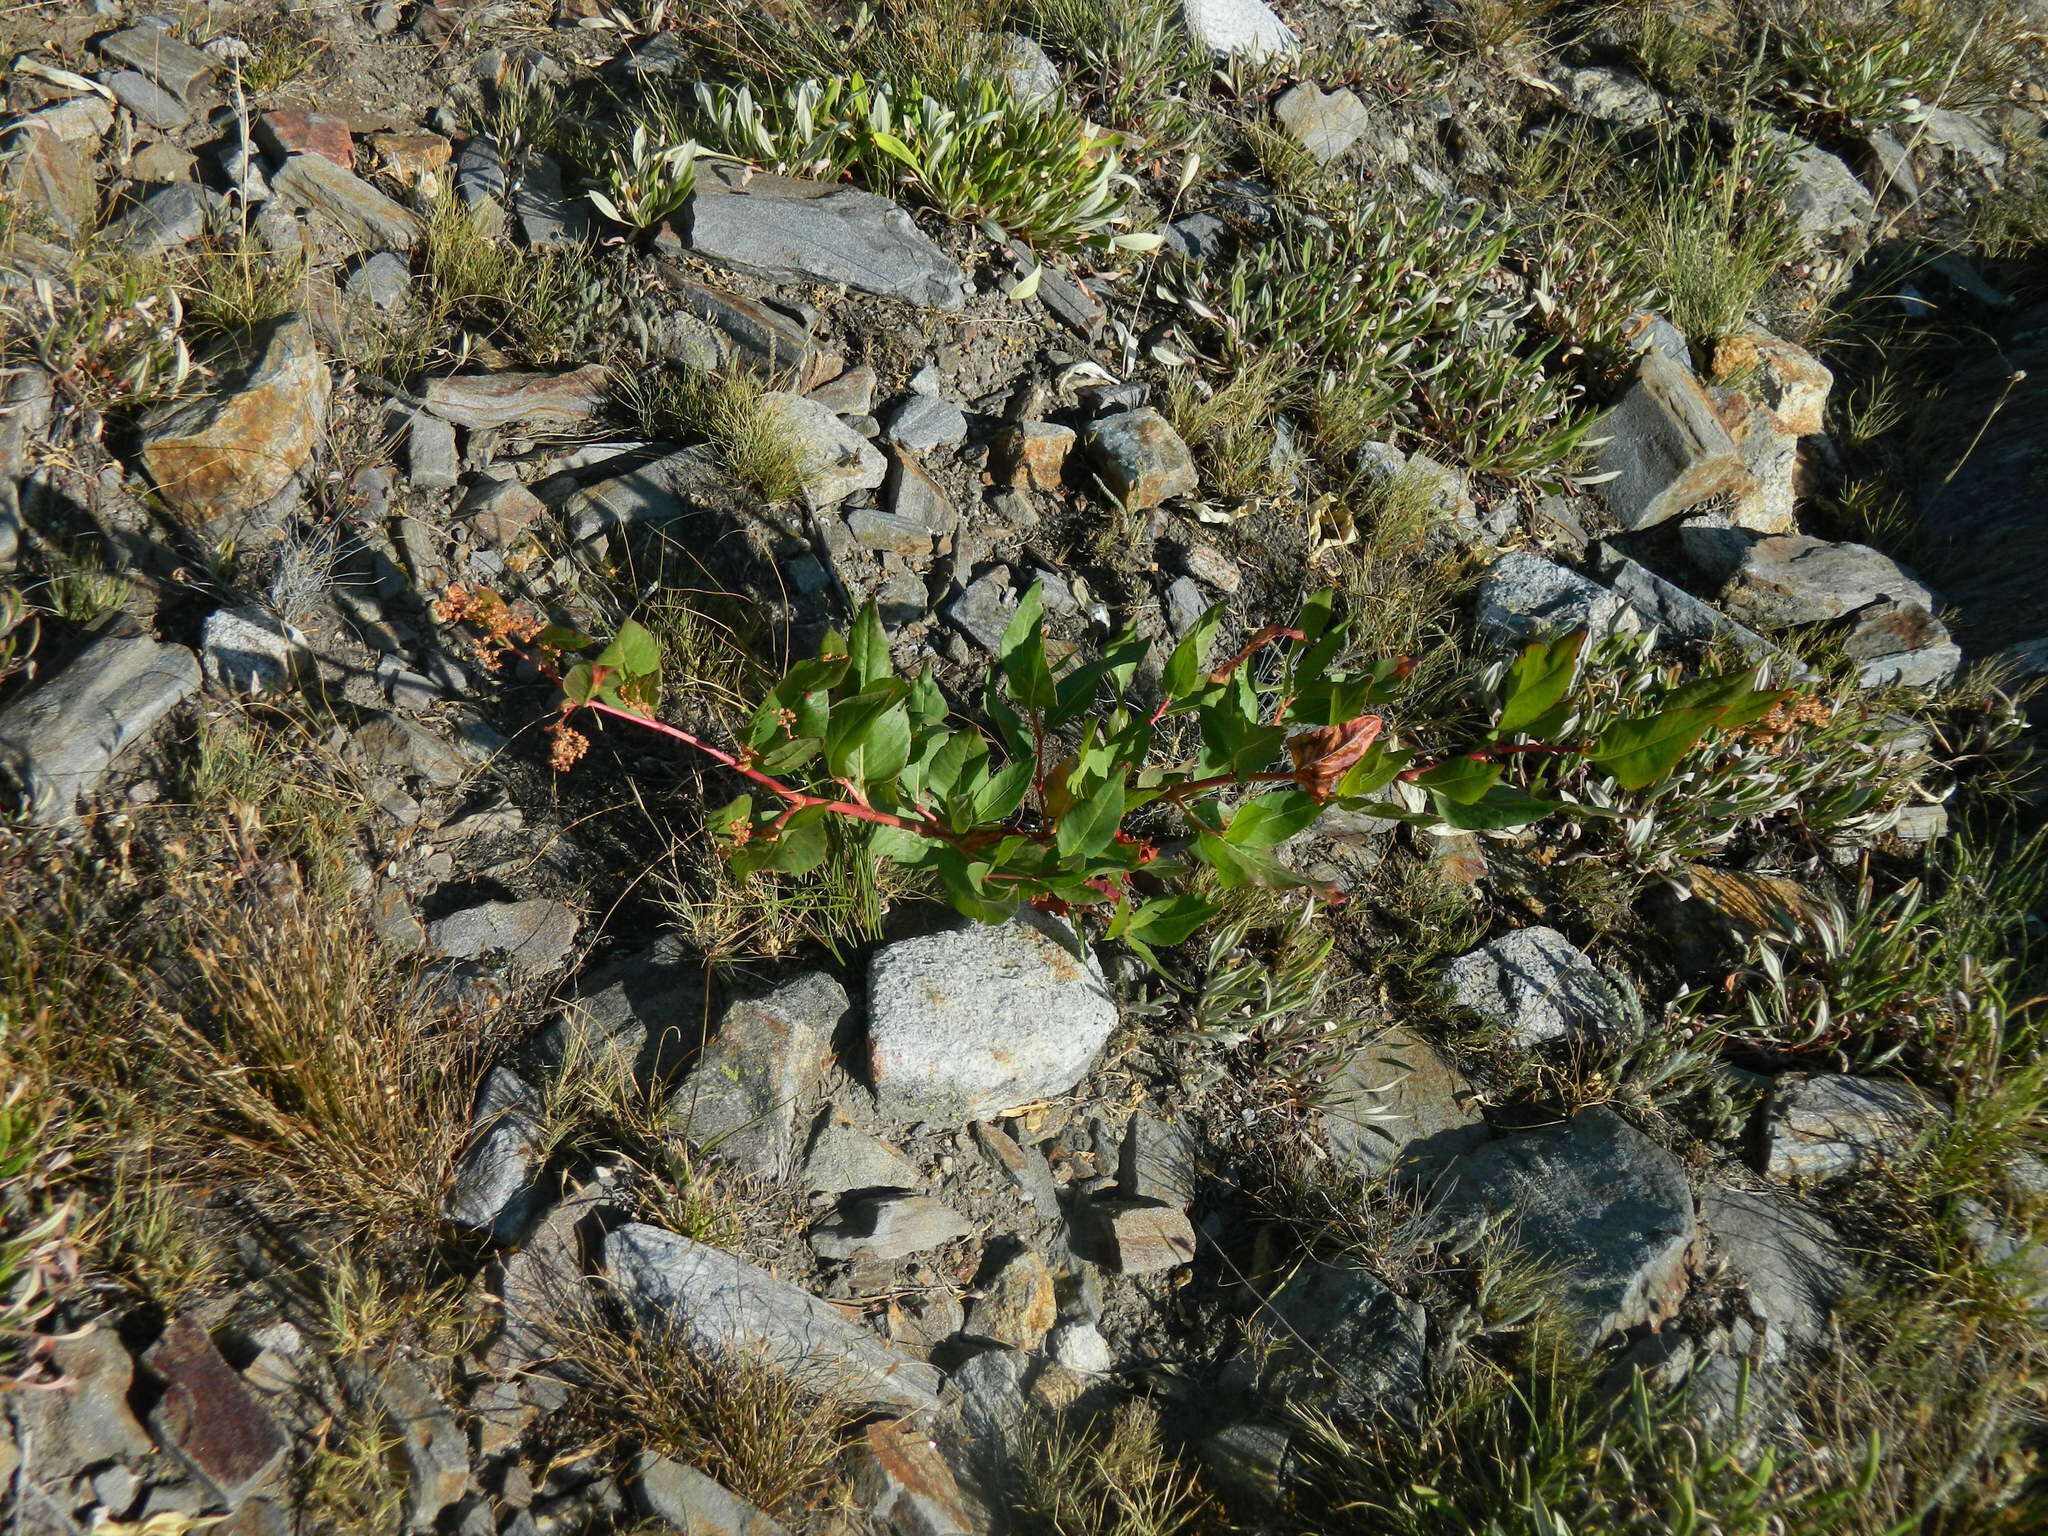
(1066, 796)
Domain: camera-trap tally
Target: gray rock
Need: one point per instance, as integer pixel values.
(2012, 1252)
(432, 463)
(842, 1157)
(493, 1189)
(1609, 94)
(1159, 1161)
(1252, 1460)
(168, 218)
(1198, 237)
(249, 651)
(1132, 1237)
(1787, 580)
(924, 422)
(435, 1450)
(1829, 1125)
(85, 1422)
(547, 214)
(994, 1392)
(721, 1304)
(784, 229)
(833, 461)
(1326, 125)
(1670, 609)
(656, 492)
(1245, 29)
(59, 740)
(176, 66)
(694, 1504)
(890, 1227)
(982, 610)
(740, 1100)
(915, 496)
(1607, 1209)
(851, 394)
(480, 172)
(1902, 645)
(904, 1484)
(1525, 596)
(1080, 1346)
(1340, 1341)
(888, 533)
(753, 335)
(1399, 1106)
(150, 102)
(973, 1020)
(1665, 448)
(1534, 984)
(1789, 1260)
(1185, 605)
(1140, 459)
(535, 935)
(44, 171)
(383, 281)
(1025, 1168)
(476, 400)
(1829, 206)
(372, 220)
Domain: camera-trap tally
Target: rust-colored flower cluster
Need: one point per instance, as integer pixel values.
(1776, 727)
(568, 745)
(499, 626)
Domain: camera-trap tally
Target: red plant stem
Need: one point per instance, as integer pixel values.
(1264, 637)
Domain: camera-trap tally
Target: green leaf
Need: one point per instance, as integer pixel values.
(1272, 818)
(898, 846)
(1638, 753)
(1500, 807)
(1022, 655)
(1539, 678)
(875, 750)
(1167, 920)
(997, 799)
(962, 753)
(797, 849)
(1380, 766)
(867, 648)
(1184, 666)
(1092, 822)
(559, 637)
(579, 683)
(730, 819)
(1237, 865)
(633, 651)
(1462, 779)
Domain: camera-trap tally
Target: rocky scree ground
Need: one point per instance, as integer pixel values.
(397, 1133)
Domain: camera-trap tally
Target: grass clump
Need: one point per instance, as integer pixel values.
(727, 409)
(1112, 1474)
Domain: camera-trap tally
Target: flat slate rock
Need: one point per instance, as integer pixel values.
(1342, 1341)
(785, 229)
(1830, 1125)
(208, 1418)
(535, 935)
(740, 1100)
(974, 1020)
(60, 740)
(720, 1303)
(1596, 1201)
(1535, 984)
(1400, 1106)
(1789, 1260)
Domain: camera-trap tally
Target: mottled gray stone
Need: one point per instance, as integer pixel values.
(1604, 1207)
(366, 215)
(718, 1302)
(842, 1157)
(1830, 1125)
(158, 53)
(1341, 1341)
(924, 422)
(1140, 459)
(59, 740)
(536, 935)
(1829, 206)
(1525, 596)
(1400, 1106)
(740, 1100)
(1132, 1236)
(1245, 29)
(505, 399)
(1534, 984)
(1326, 125)
(655, 492)
(1159, 1161)
(982, 610)
(249, 651)
(150, 102)
(1901, 645)
(973, 1020)
(1610, 94)
(383, 281)
(782, 228)
(493, 1188)
(1675, 612)
(1789, 1260)
(694, 1504)
(889, 1227)
(168, 218)
(1665, 448)
(833, 461)
(1791, 579)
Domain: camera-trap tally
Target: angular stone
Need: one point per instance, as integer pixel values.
(82, 120)
(889, 1227)
(436, 1451)
(493, 1188)
(476, 400)
(1023, 1167)
(907, 1489)
(1785, 380)
(1829, 206)
(783, 229)
(168, 218)
(914, 496)
(1133, 1237)
(885, 532)
(370, 218)
(982, 609)
(1676, 612)
(1828, 1125)
(1341, 1342)
(291, 131)
(1790, 1261)
(249, 651)
(1140, 459)
(740, 1100)
(1901, 645)
(45, 172)
(1326, 125)
(411, 155)
(1159, 1161)
(536, 935)
(1245, 29)
(1525, 596)
(548, 214)
(1604, 1207)
(757, 336)
(178, 67)
(974, 1020)
(655, 492)
(1534, 984)
(150, 102)
(694, 1504)
(1252, 1460)
(1016, 1305)
(208, 1418)
(719, 1303)
(1080, 1346)
(851, 394)
(244, 442)
(480, 176)
(842, 1157)
(83, 1420)
(833, 461)
(1793, 579)
(925, 422)
(383, 281)
(60, 739)
(1030, 76)
(501, 512)
(1665, 448)
(432, 463)
(1400, 1106)
(1609, 94)
(1032, 455)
